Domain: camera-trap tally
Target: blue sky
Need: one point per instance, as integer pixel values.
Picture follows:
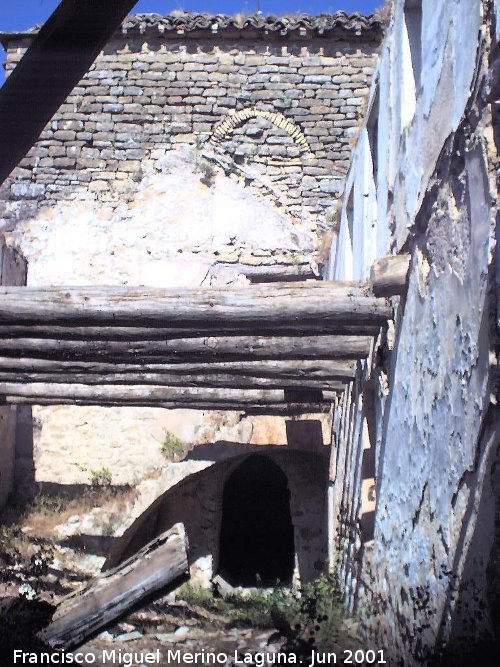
(21, 14)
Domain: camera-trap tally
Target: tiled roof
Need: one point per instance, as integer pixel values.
(336, 25)
(323, 24)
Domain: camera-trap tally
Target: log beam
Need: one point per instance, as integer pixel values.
(162, 380)
(275, 409)
(324, 306)
(149, 393)
(389, 275)
(210, 349)
(320, 369)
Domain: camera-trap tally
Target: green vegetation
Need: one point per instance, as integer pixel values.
(322, 611)
(49, 504)
(173, 448)
(9, 536)
(308, 618)
(209, 172)
(253, 608)
(101, 476)
(108, 530)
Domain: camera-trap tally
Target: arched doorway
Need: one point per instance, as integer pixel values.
(256, 543)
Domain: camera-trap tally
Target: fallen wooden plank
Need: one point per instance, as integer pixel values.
(80, 615)
(389, 275)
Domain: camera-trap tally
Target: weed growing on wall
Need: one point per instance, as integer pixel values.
(173, 448)
(101, 476)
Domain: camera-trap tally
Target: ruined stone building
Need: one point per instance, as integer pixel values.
(221, 152)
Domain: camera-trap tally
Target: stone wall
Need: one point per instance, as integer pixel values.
(419, 430)
(152, 90)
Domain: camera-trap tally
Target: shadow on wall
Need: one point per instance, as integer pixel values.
(302, 435)
(472, 600)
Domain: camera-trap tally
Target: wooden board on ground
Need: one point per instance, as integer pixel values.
(107, 597)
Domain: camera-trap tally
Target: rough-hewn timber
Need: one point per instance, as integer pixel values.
(190, 349)
(283, 409)
(279, 307)
(161, 379)
(389, 275)
(83, 613)
(319, 369)
(184, 395)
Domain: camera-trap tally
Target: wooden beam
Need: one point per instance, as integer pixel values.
(150, 393)
(162, 380)
(58, 57)
(104, 599)
(209, 349)
(274, 409)
(279, 307)
(342, 346)
(13, 266)
(320, 369)
(389, 275)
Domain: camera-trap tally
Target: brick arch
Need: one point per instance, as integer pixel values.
(274, 117)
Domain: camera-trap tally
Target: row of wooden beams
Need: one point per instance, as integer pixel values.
(250, 401)
(322, 374)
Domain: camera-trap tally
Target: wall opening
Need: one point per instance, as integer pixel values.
(372, 129)
(257, 541)
(413, 20)
(350, 218)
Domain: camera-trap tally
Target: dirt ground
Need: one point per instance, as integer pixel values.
(38, 568)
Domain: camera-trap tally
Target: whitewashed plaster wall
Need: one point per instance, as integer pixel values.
(412, 128)
(427, 580)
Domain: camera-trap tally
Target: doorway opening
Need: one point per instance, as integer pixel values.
(256, 543)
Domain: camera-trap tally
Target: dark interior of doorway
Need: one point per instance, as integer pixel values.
(256, 545)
